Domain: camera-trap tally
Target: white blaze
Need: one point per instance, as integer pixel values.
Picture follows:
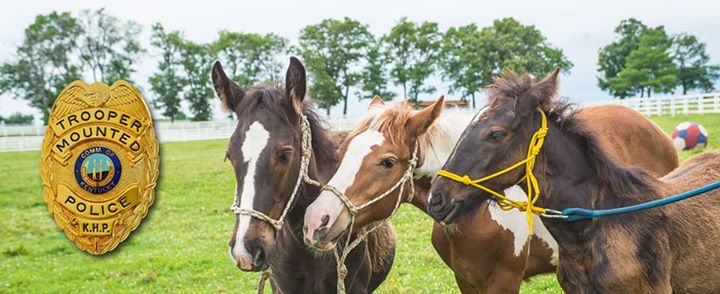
(256, 139)
(359, 147)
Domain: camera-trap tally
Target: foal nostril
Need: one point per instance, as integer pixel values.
(436, 203)
(325, 219)
(320, 233)
(259, 257)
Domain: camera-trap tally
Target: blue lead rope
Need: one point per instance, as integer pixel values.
(574, 214)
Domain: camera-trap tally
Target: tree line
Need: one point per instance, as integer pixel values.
(342, 56)
(644, 59)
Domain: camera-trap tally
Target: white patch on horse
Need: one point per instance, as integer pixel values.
(256, 139)
(439, 141)
(515, 222)
(359, 147)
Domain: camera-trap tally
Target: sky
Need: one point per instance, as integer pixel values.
(579, 28)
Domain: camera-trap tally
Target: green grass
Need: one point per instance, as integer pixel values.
(182, 244)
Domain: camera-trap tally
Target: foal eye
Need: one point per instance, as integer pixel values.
(387, 163)
(497, 135)
(285, 155)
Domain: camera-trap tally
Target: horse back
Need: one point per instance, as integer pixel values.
(635, 140)
(694, 226)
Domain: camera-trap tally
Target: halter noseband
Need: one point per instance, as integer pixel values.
(533, 189)
(306, 146)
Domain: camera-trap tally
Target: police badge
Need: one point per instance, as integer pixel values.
(99, 163)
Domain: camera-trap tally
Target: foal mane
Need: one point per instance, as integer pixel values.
(274, 98)
(391, 122)
(622, 181)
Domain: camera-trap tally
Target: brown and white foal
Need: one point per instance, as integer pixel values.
(487, 248)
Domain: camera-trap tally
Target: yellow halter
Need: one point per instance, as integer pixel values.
(533, 190)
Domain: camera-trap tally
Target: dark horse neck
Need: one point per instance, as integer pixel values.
(580, 174)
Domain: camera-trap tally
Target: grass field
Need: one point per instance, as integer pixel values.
(182, 245)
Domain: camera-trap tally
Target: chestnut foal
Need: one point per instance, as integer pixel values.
(488, 248)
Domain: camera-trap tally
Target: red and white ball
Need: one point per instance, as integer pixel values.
(688, 135)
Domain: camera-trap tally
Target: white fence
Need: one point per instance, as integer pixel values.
(688, 104)
(21, 138)
(24, 138)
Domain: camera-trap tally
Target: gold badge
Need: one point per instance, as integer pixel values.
(99, 163)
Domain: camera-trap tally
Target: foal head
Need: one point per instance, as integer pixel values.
(498, 139)
(265, 153)
(374, 158)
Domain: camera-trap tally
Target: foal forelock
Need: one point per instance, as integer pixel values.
(435, 145)
(256, 140)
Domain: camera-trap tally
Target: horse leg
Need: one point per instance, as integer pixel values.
(464, 286)
(504, 280)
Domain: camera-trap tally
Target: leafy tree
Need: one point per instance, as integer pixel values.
(43, 64)
(374, 76)
(649, 67)
(511, 44)
(415, 49)
(471, 56)
(462, 61)
(694, 72)
(325, 91)
(167, 83)
(251, 58)
(332, 50)
(612, 57)
(196, 61)
(18, 118)
(109, 47)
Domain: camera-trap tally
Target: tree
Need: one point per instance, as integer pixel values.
(510, 44)
(649, 67)
(167, 83)
(374, 75)
(694, 72)
(471, 57)
(612, 57)
(325, 91)
(331, 51)
(109, 47)
(18, 118)
(43, 64)
(414, 48)
(251, 58)
(462, 61)
(196, 61)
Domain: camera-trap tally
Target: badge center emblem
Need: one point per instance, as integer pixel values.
(98, 170)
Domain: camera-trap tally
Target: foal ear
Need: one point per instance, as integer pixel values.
(421, 121)
(229, 92)
(295, 84)
(376, 101)
(539, 94)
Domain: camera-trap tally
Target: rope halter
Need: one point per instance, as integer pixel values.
(306, 149)
(533, 189)
(306, 146)
(355, 209)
